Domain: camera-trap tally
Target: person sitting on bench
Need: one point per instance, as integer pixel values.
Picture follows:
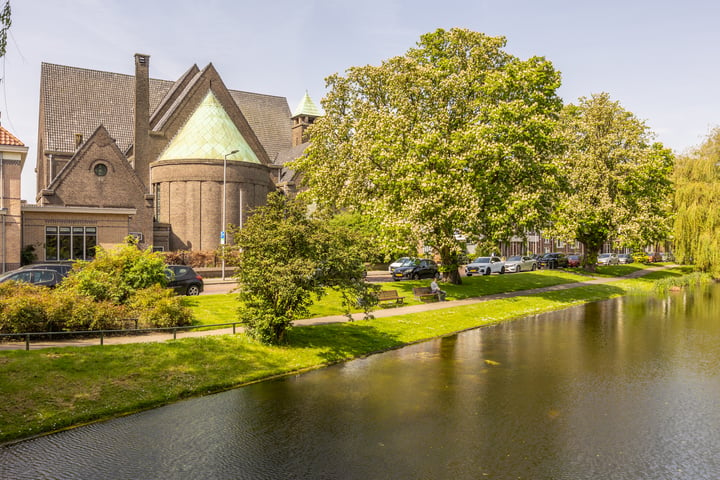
(434, 288)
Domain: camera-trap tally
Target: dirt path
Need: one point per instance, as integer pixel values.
(386, 312)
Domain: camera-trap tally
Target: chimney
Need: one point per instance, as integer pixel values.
(142, 118)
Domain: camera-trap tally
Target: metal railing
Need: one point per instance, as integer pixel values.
(102, 333)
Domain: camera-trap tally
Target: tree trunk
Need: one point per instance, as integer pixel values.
(449, 261)
(592, 249)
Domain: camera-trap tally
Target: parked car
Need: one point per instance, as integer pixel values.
(574, 260)
(667, 257)
(62, 268)
(518, 263)
(416, 269)
(625, 258)
(553, 260)
(398, 263)
(39, 276)
(485, 266)
(654, 257)
(184, 280)
(608, 259)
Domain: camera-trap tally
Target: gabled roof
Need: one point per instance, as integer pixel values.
(7, 138)
(76, 100)
(101, 136)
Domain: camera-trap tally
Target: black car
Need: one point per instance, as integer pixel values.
(553, 260)
(36, 276)
(184, 280)
(415, 269)
(62, 268)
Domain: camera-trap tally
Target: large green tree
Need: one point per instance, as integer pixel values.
(619, 180)
(696, 229)
(454, 136)
(285, 258)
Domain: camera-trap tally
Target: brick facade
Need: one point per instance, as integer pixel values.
(101, 170)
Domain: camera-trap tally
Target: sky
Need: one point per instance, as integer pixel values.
(654, 57)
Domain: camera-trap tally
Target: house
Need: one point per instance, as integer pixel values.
(169, 162)
(12, 160)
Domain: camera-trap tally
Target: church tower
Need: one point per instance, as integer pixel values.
(304, 115)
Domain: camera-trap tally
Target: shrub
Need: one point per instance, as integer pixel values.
(159, 307)
(22, 307)
(78, 313)
(194, 258)
(22, 313)
(116, 274)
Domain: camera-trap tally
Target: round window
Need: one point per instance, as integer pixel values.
(100, 169)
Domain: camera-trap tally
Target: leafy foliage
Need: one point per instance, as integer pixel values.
(159, 307)
(619, 182)
(120, 284)
(285, 257)
(115, 275)
(696, 228)
(455, 135)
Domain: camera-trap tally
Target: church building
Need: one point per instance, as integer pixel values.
(169, 162)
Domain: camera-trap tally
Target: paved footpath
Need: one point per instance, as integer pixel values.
(385, 312)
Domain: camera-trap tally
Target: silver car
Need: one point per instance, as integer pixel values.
(625, 258)
(519, 263)
(485, 266)
(608, 259)
(400, 262)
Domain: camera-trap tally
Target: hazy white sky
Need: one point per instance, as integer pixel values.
(656, 57)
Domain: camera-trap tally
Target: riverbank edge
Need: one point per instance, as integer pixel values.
(584, 294)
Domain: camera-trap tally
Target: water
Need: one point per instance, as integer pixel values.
(622, 389)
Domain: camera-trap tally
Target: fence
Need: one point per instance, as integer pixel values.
(102, 333)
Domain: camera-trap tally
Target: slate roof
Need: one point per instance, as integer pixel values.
(7, 138)
(285, 156)
(77, 100)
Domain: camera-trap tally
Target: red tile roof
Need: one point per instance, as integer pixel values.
(7, 138)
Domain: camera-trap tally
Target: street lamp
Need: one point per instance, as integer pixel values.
(222, 232)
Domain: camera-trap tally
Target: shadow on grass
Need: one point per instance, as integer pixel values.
(582, 294)
(510, 282)
(341, 341)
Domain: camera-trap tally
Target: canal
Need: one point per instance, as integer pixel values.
(621, 389)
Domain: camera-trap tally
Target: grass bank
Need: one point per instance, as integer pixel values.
(56, 388)
(218, 309)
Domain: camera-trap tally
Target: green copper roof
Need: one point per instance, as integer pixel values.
(210, 133)
(307, 107)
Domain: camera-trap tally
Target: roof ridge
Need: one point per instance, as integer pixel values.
(130, 75)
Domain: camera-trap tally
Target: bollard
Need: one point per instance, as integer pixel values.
(27, 342)
(102, 338)
(174, 333)
(233, 329)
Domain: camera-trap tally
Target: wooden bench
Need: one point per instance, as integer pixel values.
(389, 296)
(425, 294)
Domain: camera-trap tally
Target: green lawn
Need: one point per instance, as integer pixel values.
(55, 388)
(219, 309)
